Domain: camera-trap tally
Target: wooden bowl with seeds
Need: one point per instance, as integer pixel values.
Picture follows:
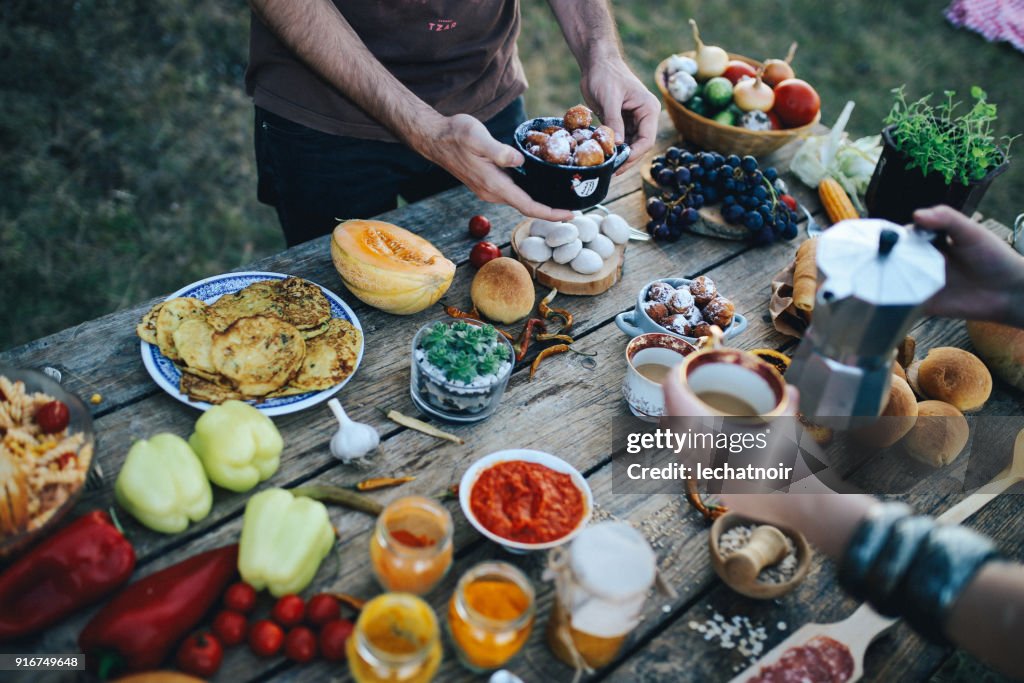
(758, 560)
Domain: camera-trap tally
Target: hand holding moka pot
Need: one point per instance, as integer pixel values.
(875, 279)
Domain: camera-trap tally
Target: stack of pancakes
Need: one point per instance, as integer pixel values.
(273, 338)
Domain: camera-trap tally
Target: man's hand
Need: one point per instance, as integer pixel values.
(462, 146)
(984, 275)
(623, 104)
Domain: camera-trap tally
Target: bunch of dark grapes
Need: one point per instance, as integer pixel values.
(749, 195)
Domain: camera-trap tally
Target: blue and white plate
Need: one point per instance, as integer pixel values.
(168, 377)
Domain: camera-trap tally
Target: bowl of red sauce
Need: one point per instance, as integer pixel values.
(525, 500)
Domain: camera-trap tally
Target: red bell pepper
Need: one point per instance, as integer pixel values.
(71, 569)
(141, 625)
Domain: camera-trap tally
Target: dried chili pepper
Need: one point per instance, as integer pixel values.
(710, 509)
(473, 314)
(352, 601)
(506, 335)
(381, 483)
(547, 311)
(550, 351)
(555, 337)
(523, 343)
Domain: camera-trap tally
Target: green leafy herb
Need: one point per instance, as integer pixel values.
(463, 351)
(959, 147)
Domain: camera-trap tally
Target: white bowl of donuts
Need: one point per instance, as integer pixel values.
(683, 307)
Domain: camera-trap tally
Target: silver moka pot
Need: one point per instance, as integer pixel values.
(875, 277)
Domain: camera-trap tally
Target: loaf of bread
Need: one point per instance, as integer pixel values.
(503, 291)
(897, 418)
(939, 434)
(1002, 349)
(952, 375)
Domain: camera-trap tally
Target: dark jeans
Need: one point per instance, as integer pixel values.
(316, 179)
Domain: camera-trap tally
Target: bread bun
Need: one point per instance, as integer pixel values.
(1002, 349)
(503, 291)
(897, 418)
(897, 370)
(955, 376)
(938, 436)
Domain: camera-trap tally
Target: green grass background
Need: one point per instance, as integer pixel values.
(126, 164)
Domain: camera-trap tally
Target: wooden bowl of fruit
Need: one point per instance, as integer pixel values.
(733, 104)
(708, 133)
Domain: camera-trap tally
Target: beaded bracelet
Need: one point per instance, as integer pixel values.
(946, 561)
(865, 545)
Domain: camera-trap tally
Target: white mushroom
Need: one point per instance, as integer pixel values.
(541, 227)
(602, 245)
(586, 262)
(561, 233)
(587, 227)
(534, 249)
(616, 227)
(567, 252)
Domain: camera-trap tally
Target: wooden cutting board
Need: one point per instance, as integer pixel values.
(563, 277)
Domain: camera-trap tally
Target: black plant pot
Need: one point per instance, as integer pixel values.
(896, 191)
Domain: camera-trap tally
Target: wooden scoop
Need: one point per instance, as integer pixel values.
(862, 627)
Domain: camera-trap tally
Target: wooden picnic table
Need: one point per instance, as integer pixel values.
(567, 410)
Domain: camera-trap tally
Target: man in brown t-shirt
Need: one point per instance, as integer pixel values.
(358, 102)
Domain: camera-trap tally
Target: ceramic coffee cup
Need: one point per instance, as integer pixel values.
(730, 382)
(563, 187)
(649, 359)
(638, 322)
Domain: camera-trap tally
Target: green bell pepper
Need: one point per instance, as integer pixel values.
(284, 539)
(239, 445)
(163, 485)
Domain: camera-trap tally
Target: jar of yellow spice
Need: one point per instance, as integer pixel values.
(490, 615)
(396, 640)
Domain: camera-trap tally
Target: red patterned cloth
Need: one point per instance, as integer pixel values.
(995, 19)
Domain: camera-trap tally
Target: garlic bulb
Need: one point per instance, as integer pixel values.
(353, 439)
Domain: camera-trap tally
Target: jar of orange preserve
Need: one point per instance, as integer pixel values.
(411, 548)
(490, 615)
(602, 583)
(396, 640)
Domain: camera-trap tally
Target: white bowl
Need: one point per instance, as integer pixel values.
(526, 455)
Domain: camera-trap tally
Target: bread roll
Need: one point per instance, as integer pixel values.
(1002, 349)
(897, 370)
(897, 418)
(503, 291)
(955, 376)
(938, 436)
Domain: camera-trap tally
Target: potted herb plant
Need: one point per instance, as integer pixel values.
(460, 369)
(935, 154)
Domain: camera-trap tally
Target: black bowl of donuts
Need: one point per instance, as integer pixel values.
(682, 307)
(569, 161)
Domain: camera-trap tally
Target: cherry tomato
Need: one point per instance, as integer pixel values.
(265, 638)
(200, 655)
(483, 252)
(52, 417)
(333, 635)
(288, 610)
(796, 102)
(300, 645)
(230, 627)
(322, 608)
(735, 70)
(479, 226)
(789, 201)
(240, 597)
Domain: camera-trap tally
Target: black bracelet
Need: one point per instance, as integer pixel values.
(891, 563)
(868, 540)
(946, 561)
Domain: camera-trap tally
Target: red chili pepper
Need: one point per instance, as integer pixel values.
(460, 314)
(77, 566)
(138, 628)
(546, 353)
(527, 336)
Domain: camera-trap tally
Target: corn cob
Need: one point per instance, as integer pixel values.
(837, 204)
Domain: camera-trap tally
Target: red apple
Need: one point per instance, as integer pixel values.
(735, 70)
(796, 102)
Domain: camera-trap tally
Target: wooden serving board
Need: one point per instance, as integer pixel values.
(711, 223)
(563, 277)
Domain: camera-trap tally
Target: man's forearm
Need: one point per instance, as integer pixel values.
(589, 30)
(317, 32)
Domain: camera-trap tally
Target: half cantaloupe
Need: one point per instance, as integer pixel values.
(388, 267)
